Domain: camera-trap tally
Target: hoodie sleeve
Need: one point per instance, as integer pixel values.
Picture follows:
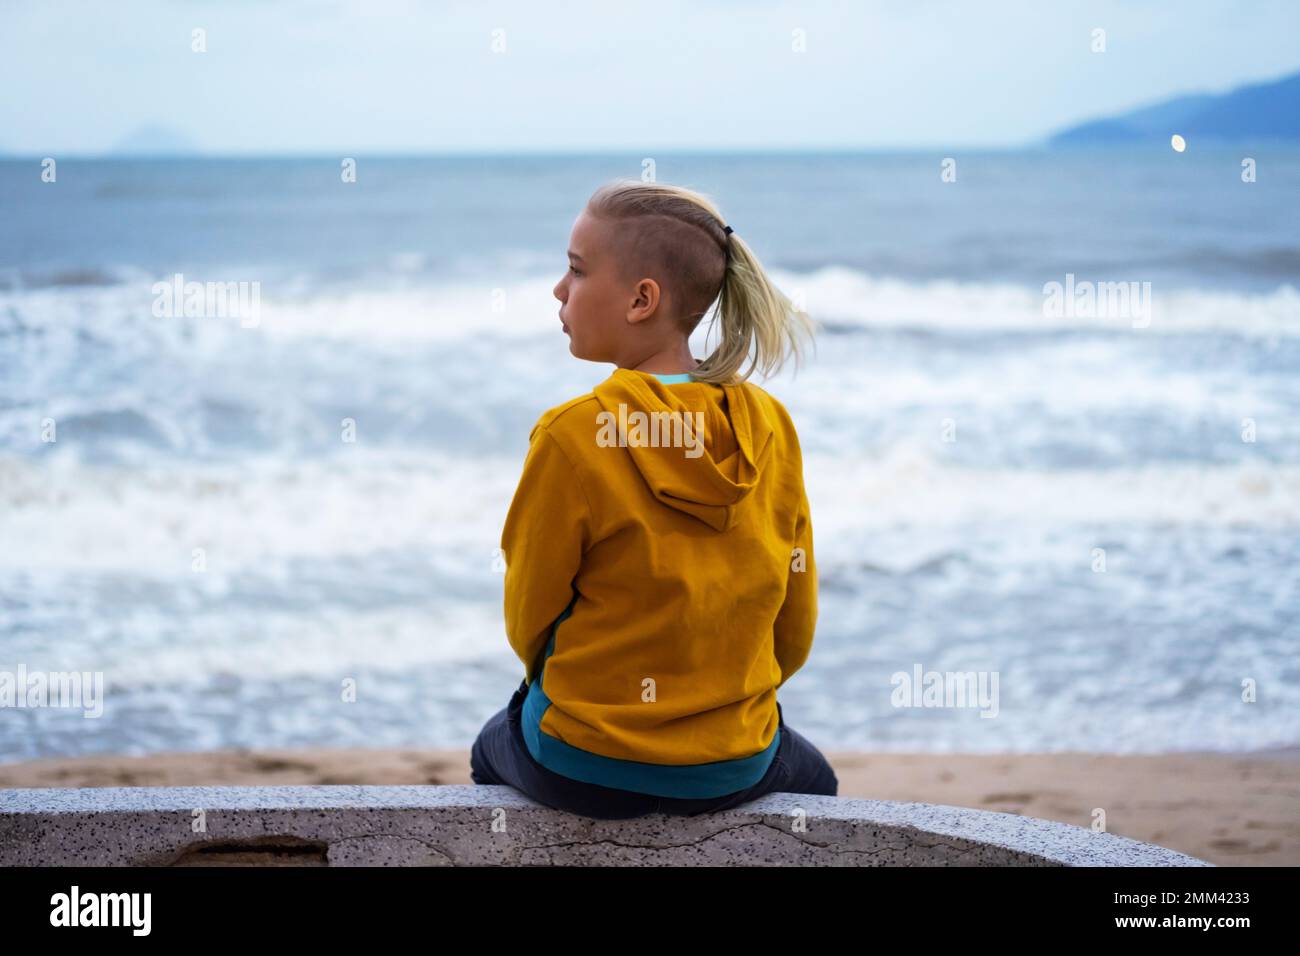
(797, 619)
(546, 532)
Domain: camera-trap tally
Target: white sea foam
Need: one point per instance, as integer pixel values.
(847, 296)
(520, 306)
(70, 515)
(912, 485)
(73, 516)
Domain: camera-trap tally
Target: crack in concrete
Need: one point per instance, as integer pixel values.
(707, 838)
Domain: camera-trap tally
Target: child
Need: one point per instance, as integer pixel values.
(659, 582)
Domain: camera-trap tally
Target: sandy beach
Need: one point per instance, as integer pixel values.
(1233, 810)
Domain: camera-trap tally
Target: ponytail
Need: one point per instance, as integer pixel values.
(682, 234)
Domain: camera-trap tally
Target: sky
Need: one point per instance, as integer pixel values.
(397, 76)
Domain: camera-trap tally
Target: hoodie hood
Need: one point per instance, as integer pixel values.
(704, 456)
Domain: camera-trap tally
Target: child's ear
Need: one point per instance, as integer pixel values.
(645, 300)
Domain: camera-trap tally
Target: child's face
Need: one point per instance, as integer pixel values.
(596, 301)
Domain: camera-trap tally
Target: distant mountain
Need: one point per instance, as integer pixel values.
(154, 140)
(1263, 111)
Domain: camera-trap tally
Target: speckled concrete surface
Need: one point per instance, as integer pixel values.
(497, 826)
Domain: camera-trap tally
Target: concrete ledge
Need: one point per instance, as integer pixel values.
(497, 826)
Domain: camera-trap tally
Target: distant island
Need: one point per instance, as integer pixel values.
(1262, 111)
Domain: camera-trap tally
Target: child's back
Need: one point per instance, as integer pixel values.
(660, 583)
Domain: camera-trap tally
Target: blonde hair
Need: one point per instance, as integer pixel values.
(679, 235)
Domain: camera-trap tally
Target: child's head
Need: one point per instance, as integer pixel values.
(646, 260)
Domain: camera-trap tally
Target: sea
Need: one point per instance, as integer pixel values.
(1050, 425)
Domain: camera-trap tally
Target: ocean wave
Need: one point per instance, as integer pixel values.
(848, 301)
(518, 305)
(914, 487)
(252, 516)
(71, 515)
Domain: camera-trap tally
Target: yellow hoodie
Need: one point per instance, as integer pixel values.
(659, 583)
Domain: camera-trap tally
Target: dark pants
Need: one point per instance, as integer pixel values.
(499, 756)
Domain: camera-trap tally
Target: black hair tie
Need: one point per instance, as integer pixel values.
(727, 230)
